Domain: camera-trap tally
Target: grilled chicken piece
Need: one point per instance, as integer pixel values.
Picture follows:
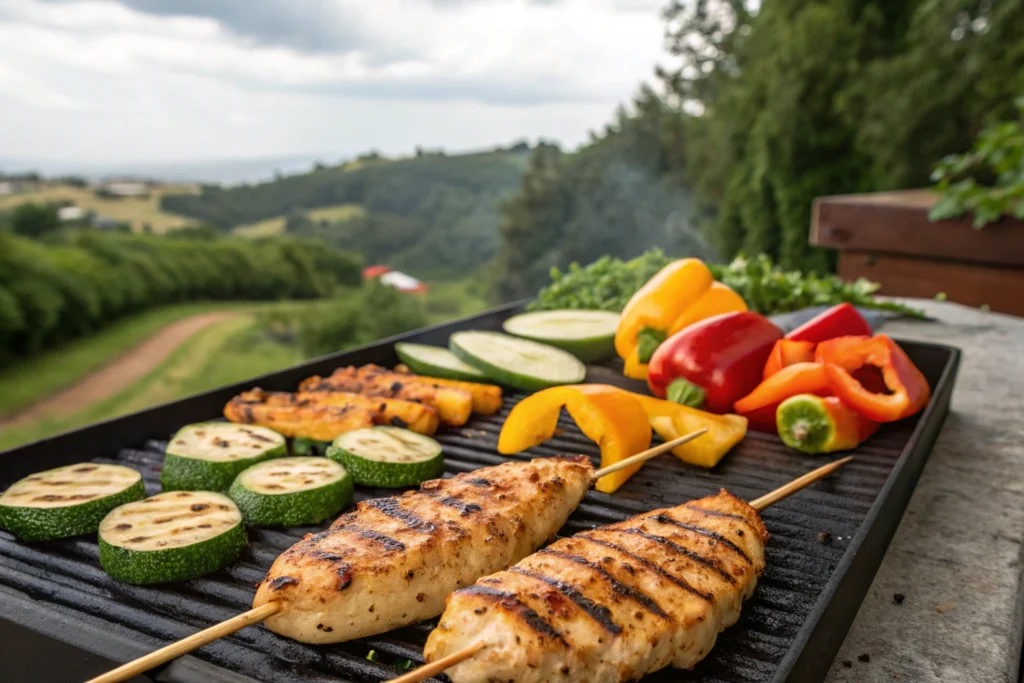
(453, 406)
(486, 397)
(309, 420)
(393, 561)
(415, 416)
(611, 604)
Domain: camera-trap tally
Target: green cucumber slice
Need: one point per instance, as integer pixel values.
(67, 501)
(519, 363)
(388, 457)
(209, 455)
(588, 335)
(291, 491)
(172, 536)
(436, 361)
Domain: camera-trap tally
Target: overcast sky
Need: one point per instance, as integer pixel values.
(107, 81)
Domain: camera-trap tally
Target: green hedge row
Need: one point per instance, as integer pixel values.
(76, 283)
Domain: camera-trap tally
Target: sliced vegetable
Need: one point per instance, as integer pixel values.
(759, 406)
(612, 417)
(842, 320)
(846, 355)
(672, 420)
(588, 335)
(682, 293)
(292, 491)
(815, 424)
(67, 501)
(487, 398)
(519, 363)
(436, 361)
(388, 457)
(209, 455)
(714, 362)
(172, 536)
(786, 352)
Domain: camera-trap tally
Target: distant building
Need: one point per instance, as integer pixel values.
(394, 278)
(105, 223)
(70, 213)
(7, 187)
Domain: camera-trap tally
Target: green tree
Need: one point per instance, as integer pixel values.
(34, 220)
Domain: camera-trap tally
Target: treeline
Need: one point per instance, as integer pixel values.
(76, 282)
(434, 216)
(764, 110)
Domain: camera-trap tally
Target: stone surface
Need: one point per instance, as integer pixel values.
(956, 556)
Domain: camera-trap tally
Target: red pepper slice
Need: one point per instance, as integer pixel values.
(842, 320)
(714, 361)
(787, 352)
(847, 355)
(800, 378)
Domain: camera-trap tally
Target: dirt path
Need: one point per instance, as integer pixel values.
(118, 374)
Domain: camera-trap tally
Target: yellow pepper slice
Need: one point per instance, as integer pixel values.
(612, 417)
(672, 420)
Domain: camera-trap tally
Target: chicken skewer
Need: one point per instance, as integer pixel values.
(611, 604)
(423, 544)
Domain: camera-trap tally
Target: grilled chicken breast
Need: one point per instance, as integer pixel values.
(486, 397)
(611, 604)
(309, 420)
(453, 405)
(389, 411)
(393, 561)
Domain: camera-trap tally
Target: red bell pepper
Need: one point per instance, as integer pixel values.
(759, 405)
(842, 320)
(785, 353)
(713, 362)
(844, 357)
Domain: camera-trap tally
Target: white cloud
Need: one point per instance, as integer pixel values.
(101, 82)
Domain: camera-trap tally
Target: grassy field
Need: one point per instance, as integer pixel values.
(275, 225)
(42, 375)
(224, 353)
(134, 210)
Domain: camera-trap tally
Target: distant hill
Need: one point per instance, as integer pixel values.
(435, 216)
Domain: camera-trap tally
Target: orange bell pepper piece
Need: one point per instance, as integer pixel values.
(843, 357)
(800, 378)
(786, 352)
(672, 420)
(612, 417)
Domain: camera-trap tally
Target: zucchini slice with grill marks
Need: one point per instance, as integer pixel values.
(388, 457)
(172, 536)
(292, 491)
(67, 501)
(209, 455)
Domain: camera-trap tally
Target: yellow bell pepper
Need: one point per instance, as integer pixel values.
(612, 417)
(672, 420)
(680, 294)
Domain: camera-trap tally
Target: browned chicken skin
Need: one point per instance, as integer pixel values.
(393, 561)
(612, 604)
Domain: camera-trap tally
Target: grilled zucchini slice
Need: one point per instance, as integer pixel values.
(388, 457)
(588, 335)
(437, 361)
(519, 363)
(291, 491)
(209, 455)
(67, 501)
(172, 536)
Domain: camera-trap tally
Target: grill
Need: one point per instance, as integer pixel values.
(826, 543)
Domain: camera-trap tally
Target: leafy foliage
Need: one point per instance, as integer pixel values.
(80, 281)
(998, 152)
(34, 220)
(608, 283)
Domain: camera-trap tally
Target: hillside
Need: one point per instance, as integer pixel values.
(433, 215)
(136, 211)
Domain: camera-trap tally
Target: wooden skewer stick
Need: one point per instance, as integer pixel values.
(648, 454)
(759, 504)
(166, 654)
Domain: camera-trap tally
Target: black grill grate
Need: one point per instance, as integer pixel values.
(826, 542)
(809, 534)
